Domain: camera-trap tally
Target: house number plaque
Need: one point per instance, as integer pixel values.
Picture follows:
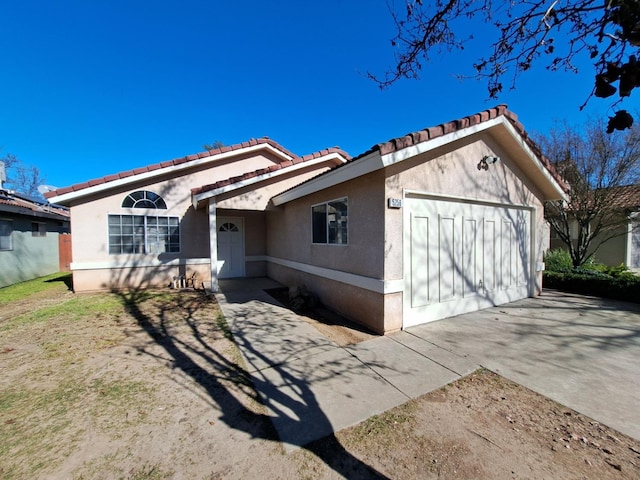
(395, 203)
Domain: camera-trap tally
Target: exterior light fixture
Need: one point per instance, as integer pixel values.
(485, 161)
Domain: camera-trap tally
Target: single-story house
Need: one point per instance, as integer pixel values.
(623, 248)
(441, 221)
(30, 232)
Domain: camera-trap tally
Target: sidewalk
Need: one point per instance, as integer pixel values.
(311, 386)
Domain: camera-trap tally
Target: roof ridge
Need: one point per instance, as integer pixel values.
(451, 126)
(170, 163)
(270, 169)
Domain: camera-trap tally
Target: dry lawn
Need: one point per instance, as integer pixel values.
(149, 385)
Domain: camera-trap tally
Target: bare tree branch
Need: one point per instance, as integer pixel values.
(518, 34)
(597, 166)
(20, 177)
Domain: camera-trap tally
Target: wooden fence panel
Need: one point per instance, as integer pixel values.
(64, 247)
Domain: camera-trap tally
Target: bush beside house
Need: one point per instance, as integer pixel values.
(591, 279)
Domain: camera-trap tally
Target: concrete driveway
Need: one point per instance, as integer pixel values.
(582, 352)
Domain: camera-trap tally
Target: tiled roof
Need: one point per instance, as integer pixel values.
(430, 133)
(177, 162)
(17, 201)
(271, 168)
(626, 197)
(384, 148)
(459, 124)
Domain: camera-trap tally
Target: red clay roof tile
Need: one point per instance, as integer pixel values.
(627, 197)
(16, 200)
(264, 171)
(430, 133)
(177, 162)
(384, 148)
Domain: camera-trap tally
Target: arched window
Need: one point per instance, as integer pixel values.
(144, 199)
(228, 227)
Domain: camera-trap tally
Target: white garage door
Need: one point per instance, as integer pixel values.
(461, 257)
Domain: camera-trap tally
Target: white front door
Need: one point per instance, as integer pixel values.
(462, 257)
(230, 247)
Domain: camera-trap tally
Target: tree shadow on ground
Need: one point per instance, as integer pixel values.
(219, 376)
(67, 279)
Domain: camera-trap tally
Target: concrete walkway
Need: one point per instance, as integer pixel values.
(312, 387)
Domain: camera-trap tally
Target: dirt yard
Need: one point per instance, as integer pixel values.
(149, 385)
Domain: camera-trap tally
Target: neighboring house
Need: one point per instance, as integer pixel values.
(29, 237)
(624, 247)
(442, 221)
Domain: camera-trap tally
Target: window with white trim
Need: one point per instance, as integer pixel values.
(329, 222)
(6, 234)
(130, 234)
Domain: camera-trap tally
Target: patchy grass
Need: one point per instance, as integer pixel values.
(386, 424)
(76, 369)
(75, 309)
(35, 426)
(22, 290)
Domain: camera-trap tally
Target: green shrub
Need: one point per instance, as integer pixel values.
(624, 286)
(558, 260)
(615, 271)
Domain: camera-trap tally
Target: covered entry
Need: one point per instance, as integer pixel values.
(462, 256)
(230, 247)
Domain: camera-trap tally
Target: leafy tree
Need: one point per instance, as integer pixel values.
(20, 177)
(518, 34)
(597, 166)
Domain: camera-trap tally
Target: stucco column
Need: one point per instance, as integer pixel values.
(213, 244)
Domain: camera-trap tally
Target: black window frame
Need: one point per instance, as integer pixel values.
(144, 199)
(330, 222)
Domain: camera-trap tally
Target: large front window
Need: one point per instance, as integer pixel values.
(329, 222)
(143, 234)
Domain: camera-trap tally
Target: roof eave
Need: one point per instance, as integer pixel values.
(64, 198)
(376, 161)
(367, 164)
(196, 199)
(552, 190)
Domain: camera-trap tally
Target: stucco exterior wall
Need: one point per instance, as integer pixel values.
(89, 215)
(289, 235)
(375, 247)
(90, 240)
(612, 252)
(92, 262)
(30, 257)
(362, 306)
(451, 171)
(257, 197)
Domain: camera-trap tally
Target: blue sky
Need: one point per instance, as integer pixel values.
(93, 88)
